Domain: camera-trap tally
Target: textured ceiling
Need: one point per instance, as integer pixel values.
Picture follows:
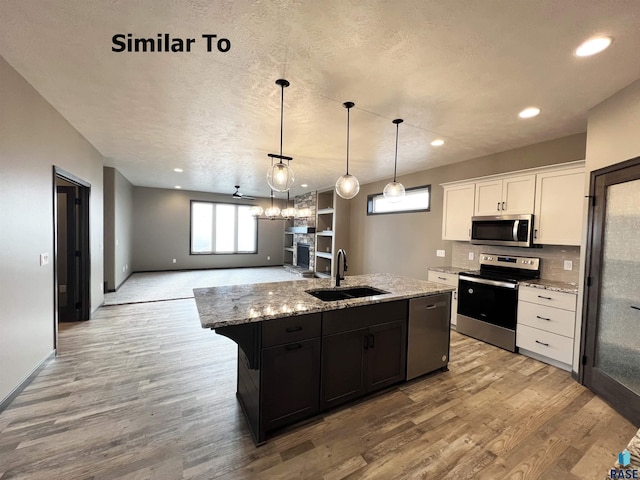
(454, 69)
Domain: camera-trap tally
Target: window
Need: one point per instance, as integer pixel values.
(222, 228)
(416, 199)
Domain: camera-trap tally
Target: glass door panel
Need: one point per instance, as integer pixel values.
(618, 332)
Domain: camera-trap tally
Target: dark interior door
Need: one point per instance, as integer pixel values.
(611, 338)
(68, 270)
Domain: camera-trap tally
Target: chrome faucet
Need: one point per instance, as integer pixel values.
(339, 277)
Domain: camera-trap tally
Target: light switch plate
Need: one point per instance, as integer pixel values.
(568, 265)
(44, 259)
(439, 253)
(471, 255)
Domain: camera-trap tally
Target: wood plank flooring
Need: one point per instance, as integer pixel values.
(143, 392)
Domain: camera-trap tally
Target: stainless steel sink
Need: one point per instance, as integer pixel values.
(333, 294)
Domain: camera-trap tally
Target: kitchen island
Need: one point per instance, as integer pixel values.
(299, 355)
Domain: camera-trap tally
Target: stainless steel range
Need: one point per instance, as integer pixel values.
(488, 298)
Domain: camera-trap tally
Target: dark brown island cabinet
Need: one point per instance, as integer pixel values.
(292, 368)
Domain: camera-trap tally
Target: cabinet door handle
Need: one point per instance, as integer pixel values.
(455, 295)
(372, 343)
(545, 298)
(541, 343)
(635, 308)
(365, 342)
(535, 233)
(293, 329)
(542, 318)
(293, 346)
(498, 207)
(504, 206)
(469, 233)
(442, 278)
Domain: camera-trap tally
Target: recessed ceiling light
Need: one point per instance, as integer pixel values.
(593, 45)
(179, 170)
(178, 187)
(437, 142)
(529, 112)
(304, 185)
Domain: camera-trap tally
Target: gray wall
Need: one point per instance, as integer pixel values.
(162, 227)
(34, 137)
(406, 243)
(118, 228)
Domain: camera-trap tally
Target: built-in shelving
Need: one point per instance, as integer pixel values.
(332, 231)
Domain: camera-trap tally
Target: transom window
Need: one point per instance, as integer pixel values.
(416, 199)
(222, 228)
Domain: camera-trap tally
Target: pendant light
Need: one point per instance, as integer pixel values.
(256, 210)
(272, 212)
(280, 175)
(394, 191)
(347, 185)
(289, 212)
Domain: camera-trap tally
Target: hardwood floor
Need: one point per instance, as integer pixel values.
(142, 391)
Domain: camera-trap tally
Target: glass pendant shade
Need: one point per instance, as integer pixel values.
(272, 212)
(289, 212)
(393, 192)
(347, 186)
(304, 212)
(256, 210)
(280, 177)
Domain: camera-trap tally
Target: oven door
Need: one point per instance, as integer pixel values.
(490, 301)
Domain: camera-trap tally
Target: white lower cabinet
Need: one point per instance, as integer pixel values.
(450, 279)
(546, 325)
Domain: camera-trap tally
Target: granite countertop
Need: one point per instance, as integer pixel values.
(237, 304)
(553, 285)
(451, 270)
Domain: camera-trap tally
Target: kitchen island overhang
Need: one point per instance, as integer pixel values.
(327, 352)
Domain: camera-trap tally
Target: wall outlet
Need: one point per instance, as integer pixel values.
(123, 269)
(568, 265)
(471, 255)
(44, 259)
(439, 253)
(268, 257)
(174, 260)
(126, 266)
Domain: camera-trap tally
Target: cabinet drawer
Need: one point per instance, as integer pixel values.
(446, 278)
(290, 329)
(563, 300)
(336, 321)
(544, 343)
(542, 317)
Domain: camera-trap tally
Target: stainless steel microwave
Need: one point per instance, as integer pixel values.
(504, 230)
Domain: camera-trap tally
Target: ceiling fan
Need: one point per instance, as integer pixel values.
(237, 194)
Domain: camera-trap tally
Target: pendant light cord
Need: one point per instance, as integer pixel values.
(281, 118)
(395, 164)
(348, 118)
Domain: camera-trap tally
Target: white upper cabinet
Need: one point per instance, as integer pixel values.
(511, 195)
(457, 212)
(559, 207)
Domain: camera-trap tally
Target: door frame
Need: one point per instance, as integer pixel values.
(587, 374)
(84, 287)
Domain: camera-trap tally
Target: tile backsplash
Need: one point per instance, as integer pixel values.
(552, 258)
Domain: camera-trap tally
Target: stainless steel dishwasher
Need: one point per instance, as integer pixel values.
(429, 334)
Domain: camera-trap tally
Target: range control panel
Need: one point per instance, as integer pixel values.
(510, 261)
